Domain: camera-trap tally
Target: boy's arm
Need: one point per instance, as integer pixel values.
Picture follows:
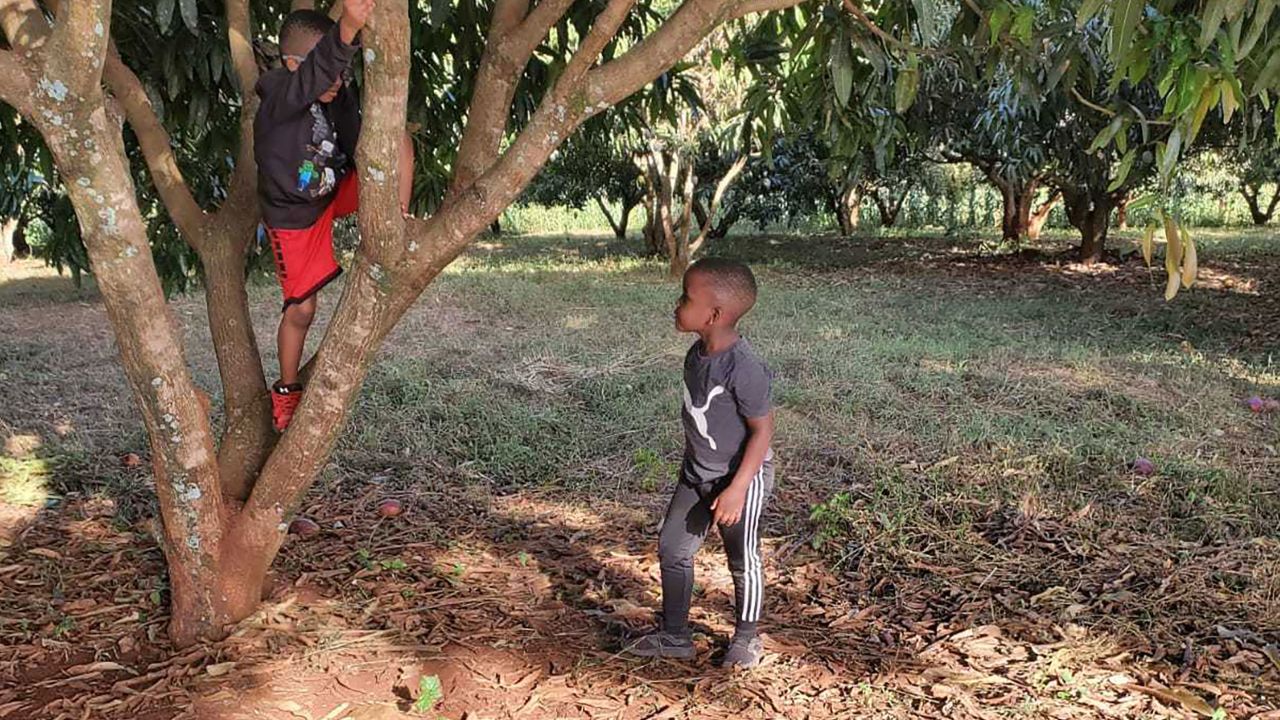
(317, 73)
(727, 507)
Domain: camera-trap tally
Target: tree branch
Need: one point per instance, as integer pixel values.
(619, 78)
(23, 24)
(15, 82)
(716, 198)
(80, 34)
(242, 193)
(747, 7)
(157, 149)
(494, 88)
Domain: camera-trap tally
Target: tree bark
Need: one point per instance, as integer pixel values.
(624, 219)
(1091, 215)
(619, 228)
(1122, 212)
(8, 246)
(1035, 224)
(848, 207)
(1252, 196)
(889, 208)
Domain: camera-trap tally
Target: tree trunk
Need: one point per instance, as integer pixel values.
(8, 246)
(1091, 215)
(847, 206)
(1252, 196)
(1016, 201)
(1122, 212)
(619, 228)
(888, 210)
(183, 459)
(1035, 223)
(624, 219)
(1010, 217)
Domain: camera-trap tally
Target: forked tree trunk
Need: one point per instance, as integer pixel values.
(1253, 197)
(218, 551)
(889, 207)
(1039, 216)
(846, 206)
(1016, 201)
(1091, 215)
(619, 226)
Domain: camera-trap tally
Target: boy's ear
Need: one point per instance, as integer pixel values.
(716, 314)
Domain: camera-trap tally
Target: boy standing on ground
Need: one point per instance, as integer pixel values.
(727, 475)
(305, 137)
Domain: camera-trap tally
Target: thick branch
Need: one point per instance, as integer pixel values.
(23, 24)
(15, 82)
(242, 201)
(615, 80)
(747, 7)
(78, 45)
(500, 69)
(157, 148)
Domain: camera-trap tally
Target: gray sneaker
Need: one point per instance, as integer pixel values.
(662, 644)
(743, 652)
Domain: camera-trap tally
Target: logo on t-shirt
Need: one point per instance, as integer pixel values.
(699, 414)
(316, 176)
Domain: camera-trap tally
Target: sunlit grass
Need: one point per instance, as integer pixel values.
(24, 482)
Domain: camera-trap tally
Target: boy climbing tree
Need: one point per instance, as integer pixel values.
(305, 137)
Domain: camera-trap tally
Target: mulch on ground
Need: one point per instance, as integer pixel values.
(519, 604)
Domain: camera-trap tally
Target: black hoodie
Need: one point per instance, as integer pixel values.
(303, 146)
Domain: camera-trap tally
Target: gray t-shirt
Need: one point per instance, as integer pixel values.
(720, 392)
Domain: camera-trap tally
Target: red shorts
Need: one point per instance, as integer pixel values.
(304, 257)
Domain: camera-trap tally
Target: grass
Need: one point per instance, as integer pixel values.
(562, 368)
(551, 360)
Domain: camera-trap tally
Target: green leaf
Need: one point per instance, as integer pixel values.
(164, 14)
(1261, 15)
(1124, 25)
(1170, 156)
(1023, 21)
(1211, 20)
(905, 88)
(1208, 98)
(1267, 76)
(926, 20)
(1000, 15)
(1144, 201)
(1122, 172)
(1104, 136)
(190, 15)
(872, 52)
(1088, 9)
(841, 70)
(429, 693)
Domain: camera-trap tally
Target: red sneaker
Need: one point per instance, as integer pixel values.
(284, 401)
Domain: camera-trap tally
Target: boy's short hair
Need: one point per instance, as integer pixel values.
(733, 282)
(300, 28)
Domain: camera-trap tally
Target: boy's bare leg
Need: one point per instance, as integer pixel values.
(406, 173)
(291, 337)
